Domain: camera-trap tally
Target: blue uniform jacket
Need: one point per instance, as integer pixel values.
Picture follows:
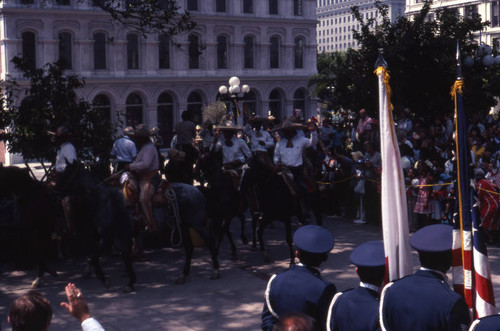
(422, 301)
(355, 310)
(298, 289)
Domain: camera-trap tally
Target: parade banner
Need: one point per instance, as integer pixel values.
(394, 207)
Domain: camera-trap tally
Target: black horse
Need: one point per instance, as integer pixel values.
(276, 202)
(27, 219)
(100, 218)
(113, 222)
(225, 201)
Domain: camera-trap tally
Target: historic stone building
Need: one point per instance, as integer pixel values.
(269, 44)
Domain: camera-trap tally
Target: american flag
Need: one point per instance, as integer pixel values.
(470, 268)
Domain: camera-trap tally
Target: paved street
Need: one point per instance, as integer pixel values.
(233, 302)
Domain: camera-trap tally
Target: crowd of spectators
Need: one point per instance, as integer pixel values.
(353, 164)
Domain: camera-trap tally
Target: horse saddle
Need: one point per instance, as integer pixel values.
(158, 192)
(234, 176)
(288, 179)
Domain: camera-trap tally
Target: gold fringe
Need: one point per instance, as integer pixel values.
(382, 71)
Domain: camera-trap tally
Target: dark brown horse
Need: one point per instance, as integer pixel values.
(27, 219)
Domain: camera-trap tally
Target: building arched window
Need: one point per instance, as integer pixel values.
(222, 46)
(274, 52)
(250, 104)
(220, 6)
(194, 106)
(133, 110)
(194, 51)
(164, 51)
(273, 7)
(29, 48)
(165, 117)
(66, 50)
(297, 7)
(249, 52)
(192, 5)
(248, 6)
(276, 104)
(299, 53)
(132, 51)
(299, 101)
(103, 106)
(99, 51)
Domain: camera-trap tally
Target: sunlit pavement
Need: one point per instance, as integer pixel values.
(234, 302)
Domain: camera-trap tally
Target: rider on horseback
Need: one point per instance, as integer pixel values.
(235, 151)
(288, 154)
(66, 154)
(146, 168)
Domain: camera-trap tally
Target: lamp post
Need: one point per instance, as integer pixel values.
(232, 94)
(483, 55)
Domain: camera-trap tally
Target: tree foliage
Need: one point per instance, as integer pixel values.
(148, 16)
(50, 101)
(421, 57)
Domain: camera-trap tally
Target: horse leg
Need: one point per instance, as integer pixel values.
(260, 235)
(96, 263)
(255, 222)
(243, 237)
(227, 231)
(289, 241)
(188, 249)
(212, 246)
(132, 278)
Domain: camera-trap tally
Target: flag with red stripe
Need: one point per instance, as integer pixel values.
(470, 268)
(394, 210)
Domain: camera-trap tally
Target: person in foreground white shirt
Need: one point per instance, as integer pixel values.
(34, 312)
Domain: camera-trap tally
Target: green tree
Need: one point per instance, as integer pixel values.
(420, 53)
(50, 101)
(148, 16)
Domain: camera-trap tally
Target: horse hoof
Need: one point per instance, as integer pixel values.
(180, 281)
(215, 275)
(36, 283)
(128, 289)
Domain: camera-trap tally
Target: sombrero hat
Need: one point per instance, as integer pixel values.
(289, 125)
(229, 126)
(143, 131)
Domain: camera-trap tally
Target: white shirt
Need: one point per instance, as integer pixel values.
(238, 151)
(292, 156)
(66, 152)
(257, 136)
(91, 324)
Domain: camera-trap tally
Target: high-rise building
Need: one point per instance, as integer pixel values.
(336, 22)
(269, 44)
(489, 11)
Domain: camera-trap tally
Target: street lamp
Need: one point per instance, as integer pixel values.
(483, 54)
(232, 94)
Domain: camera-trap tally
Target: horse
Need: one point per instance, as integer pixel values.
(28, 218)
(225, 201)
(276, 202)
(100, 220)
(114, 219)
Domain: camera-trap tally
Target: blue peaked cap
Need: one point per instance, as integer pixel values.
(313, 239)
(433, 238)
(369, 254)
